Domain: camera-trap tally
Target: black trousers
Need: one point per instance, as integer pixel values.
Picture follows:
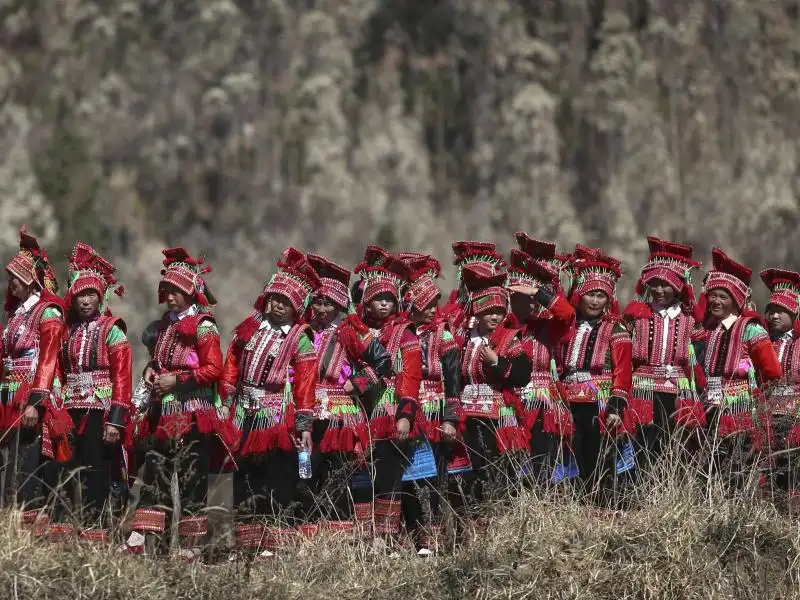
(27, 477)
(266, 485)
(330, 495)
(658, 436)
(544, 449)
(729, 460)
(784, 460)
(596, 456)
(389, 460)
(189, 458)
(423, 500)
(490, 477)
(89, 469)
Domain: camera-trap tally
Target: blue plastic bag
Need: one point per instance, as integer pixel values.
(423, 463)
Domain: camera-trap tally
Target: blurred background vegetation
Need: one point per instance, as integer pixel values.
(238, 127)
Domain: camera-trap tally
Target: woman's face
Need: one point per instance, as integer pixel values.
(779, 319)
(593, 304)
(381, 306)
(18, 289)
(489, 320)
(721, 304)
(86, 304)
(662, 293)
(425, 316)
(177, 301)
(522, 305)
(324, 311)
(281, 311)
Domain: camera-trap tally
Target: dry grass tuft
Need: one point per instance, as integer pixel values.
(682, 538)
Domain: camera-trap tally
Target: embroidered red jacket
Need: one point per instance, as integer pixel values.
(737, 358)
(597, 360)
(788, 352)
(397, 335)
(188, 348)
(266, 359)
(513, 370)
(95, 368)
(30, 344)
(542, 334)
(441, 377)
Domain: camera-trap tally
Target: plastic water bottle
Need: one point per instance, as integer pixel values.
(304, 463)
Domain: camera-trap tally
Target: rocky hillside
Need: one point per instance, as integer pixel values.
(237, 127)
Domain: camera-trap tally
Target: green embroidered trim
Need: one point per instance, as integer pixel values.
(115, 336)
(50, 313)
(507, 411)
(388, 397)
(345, 409)
(204, 393)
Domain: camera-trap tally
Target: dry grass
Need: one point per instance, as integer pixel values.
(683, 538)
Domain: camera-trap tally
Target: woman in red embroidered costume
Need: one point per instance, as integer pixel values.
(546, 254)
(545, 317)
(268, 382)
(393, 412)
(95, 371)
(782, 311)
(439, 405)
(737, 356)
(466, 253)
(185, 410)
(733, 346)
(596, 376)
(494, 365)
(30, 344)
(661, 322)
(352, 363)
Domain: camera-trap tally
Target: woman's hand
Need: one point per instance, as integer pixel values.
(613, 420)
(527, 290)
(149, 377)
(30, 417)
(489, 356)
(448, 431)
(164, 384)
(403, 428)
(111, 435)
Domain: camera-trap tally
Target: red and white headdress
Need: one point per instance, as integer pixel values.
(334, 280)
(784, 287)
(295, 280)
(485, 286)
(424, 271)
(545, 252)
(90, 271)
(729, 275)
(187, 275)
(468, 253)
(381, 273)
(525, 270)
(595, 271)
(671, 262)
(31, 266)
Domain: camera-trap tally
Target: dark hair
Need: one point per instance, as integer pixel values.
(150, 335)
(357, 291)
